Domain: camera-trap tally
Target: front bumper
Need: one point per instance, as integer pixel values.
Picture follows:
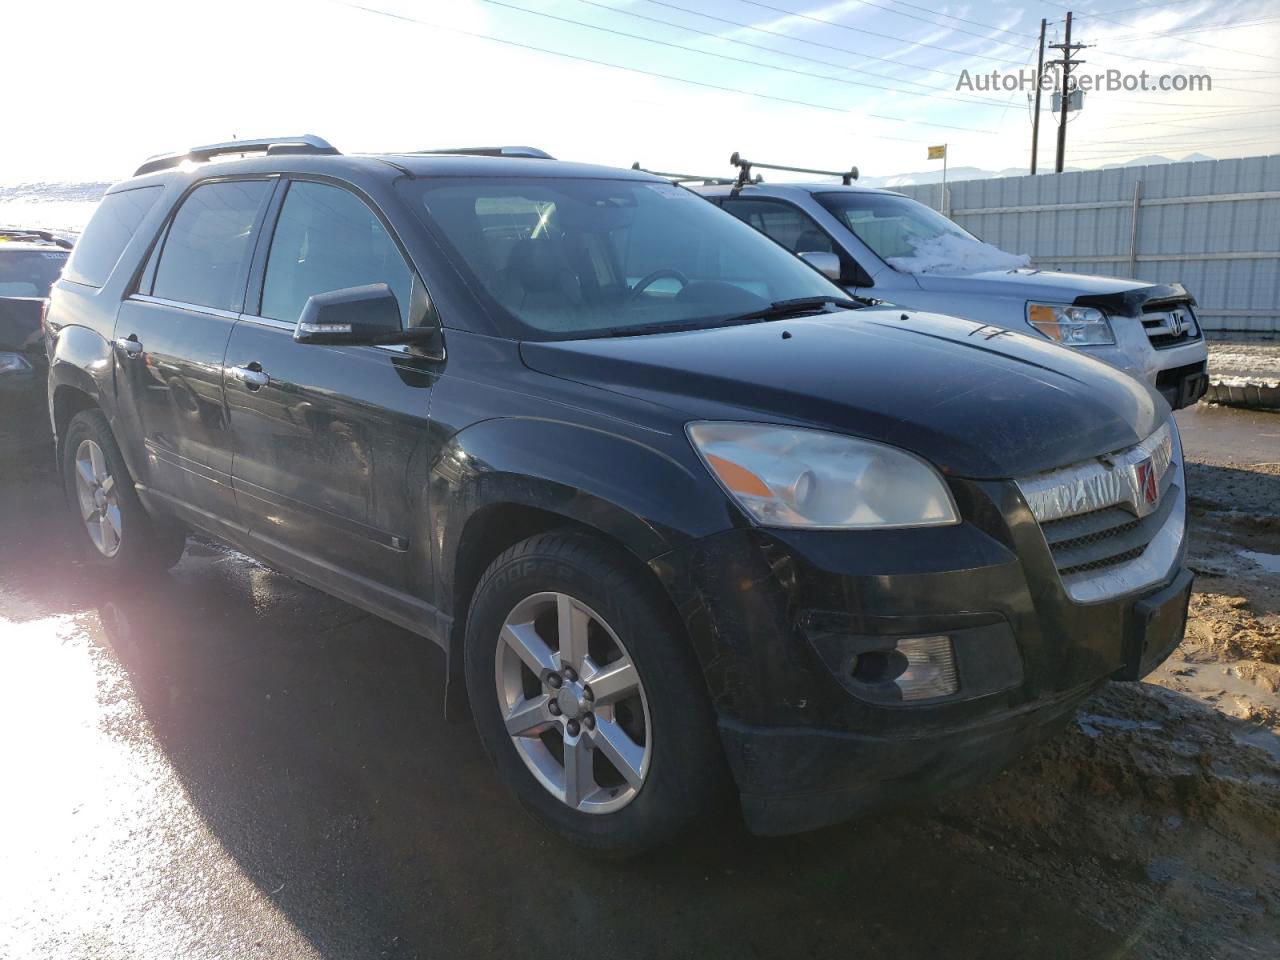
(1179, 373)
(769, 611)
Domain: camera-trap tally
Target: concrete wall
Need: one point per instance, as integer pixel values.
(1213, 225)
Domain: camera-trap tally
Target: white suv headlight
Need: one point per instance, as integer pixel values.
(793, 477)
(1070, 326)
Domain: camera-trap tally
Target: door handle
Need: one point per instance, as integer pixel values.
(131, 346)
(252, 376)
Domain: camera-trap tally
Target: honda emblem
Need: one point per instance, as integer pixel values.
(1147, 488)
(1177, 323)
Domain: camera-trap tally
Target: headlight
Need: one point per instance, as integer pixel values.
(792, 477)
(13, 363)
(1070, 326)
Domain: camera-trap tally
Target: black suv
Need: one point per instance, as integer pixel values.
(678, 511)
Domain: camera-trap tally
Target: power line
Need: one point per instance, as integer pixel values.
(931, 92)
(1227, 25)
(648, 73)
(1129, 55)
(1200, 145)
(1198, 43)
(871, 33)
(933, 20)
(1175, 136)
(976, 23)
(1142, 6)
(950, 74)
(1174, 103)
(1203, 116)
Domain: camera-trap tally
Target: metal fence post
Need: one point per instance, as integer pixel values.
(1133, 229)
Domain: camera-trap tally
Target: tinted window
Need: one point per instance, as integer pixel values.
(791, 227)
(205, 259)
(327, 239)
(29, 273)
(109, 230)
(566, 258)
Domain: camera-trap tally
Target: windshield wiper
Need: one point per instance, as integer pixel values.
(775, 311)
(793, 307)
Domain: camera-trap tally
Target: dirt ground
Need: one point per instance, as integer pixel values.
(1158, 812)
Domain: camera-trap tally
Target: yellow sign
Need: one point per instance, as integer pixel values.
(938, 153)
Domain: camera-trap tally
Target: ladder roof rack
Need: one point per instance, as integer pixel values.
(706, 181)
(744, 170)
(532, 153)
(305, 143)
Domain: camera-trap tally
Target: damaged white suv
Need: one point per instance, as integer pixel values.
(884, 245)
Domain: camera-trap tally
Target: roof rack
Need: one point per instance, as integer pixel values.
(688, 177)
(306, 143)
(42, 235)
(744, 170)
(532, 153)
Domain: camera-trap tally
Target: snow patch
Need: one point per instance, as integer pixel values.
(951, 253)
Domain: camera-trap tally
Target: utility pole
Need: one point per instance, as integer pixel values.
(1035, 120)
(1068, 49)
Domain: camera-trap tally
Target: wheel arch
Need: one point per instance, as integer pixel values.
(493, 486)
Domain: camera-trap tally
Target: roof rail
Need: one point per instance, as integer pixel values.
(744, 170)
(42, 235)
(305, 143)
(686, 177)
(530, 152)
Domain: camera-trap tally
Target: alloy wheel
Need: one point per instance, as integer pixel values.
(573, 703)
(98, 498)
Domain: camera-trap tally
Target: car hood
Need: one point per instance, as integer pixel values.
(976, 400)
(1028, 283)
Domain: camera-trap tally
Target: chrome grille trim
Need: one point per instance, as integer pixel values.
(1104, 538)
(1102, 482)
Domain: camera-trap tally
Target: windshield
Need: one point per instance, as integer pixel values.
(29, 273)
(890, 225)
(566, 258)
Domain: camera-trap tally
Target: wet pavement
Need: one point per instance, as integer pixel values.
(222, 762)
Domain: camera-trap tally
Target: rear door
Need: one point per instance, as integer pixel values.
(330, 442)
(170, 339)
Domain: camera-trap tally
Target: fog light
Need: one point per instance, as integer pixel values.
(930, 670)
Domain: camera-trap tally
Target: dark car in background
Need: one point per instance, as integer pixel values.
(681, 515)
(30, 261)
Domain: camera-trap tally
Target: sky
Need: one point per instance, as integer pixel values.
(822, 83)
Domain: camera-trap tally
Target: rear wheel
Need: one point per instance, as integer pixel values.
(118, 533)
(587, 697)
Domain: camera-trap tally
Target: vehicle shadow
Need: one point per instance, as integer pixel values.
(310, 738)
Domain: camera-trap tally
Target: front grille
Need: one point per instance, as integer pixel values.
(1169, 324)
(1106, 533)
(1104, 538)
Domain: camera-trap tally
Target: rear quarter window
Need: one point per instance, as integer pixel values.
(109, 230)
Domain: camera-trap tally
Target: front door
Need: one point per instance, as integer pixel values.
(331, 443)
(171, 336)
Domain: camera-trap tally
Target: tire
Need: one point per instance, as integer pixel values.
(115, 531)
(632, 632)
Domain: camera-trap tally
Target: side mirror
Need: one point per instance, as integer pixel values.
(827, 264)
(350, 316)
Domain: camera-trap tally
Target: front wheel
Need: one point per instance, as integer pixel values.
(119, 534)
(587, 696)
